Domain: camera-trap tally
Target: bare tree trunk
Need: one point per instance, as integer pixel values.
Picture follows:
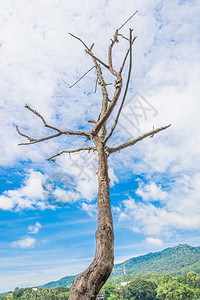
(87, 285)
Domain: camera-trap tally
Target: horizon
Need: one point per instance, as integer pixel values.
(145, 254)
(48, 210)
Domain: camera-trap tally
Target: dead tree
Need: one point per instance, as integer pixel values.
(87, 285)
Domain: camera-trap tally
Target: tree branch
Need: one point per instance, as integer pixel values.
(66, 132)
(70, 86)
(76, 37)
(104, 106)
(60, 132)
(89, 50)
(34, 141)
(71, 151)
(125, 92)
(99, 60)
(106, 115)
(124, 61)
(115, 40)
(127, 20)
(43, 120)
(26, 136)
(134, 141)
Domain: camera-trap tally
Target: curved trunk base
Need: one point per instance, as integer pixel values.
(88, 284)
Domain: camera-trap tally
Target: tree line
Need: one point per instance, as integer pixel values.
(130, 287)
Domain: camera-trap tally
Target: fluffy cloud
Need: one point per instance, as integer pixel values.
(24, 243)
(36, 47)
(26, 197)
(179, 209)
(35, 228)
(91, 209)
(151, 192)
(154, 241)
(42, 191)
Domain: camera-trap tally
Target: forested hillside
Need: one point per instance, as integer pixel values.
(129, 287)
(173, 272)
(176, 261)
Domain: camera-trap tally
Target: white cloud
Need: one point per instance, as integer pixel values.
(26, 197)
(24, 243)
(151, 192)
(35, 228)
(65, 196)
(36, 47)
(83, 168)
(136, 229)
(154, 241)
(91, 209)
(180, 209)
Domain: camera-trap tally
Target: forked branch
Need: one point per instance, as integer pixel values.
(134, 141)
(34, 141)
(115, 40)
(106, 114)
(126, 89)
(127, 53)
(71, 151)
(60, 132)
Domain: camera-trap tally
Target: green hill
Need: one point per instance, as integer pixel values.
(175, 260)
(65, 281)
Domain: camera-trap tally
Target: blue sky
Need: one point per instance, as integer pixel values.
(48, 210)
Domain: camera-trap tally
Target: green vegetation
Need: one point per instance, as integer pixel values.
(169, 274)
(176, 261)
(152, 287)
(145, 287)
(60, 293)
(65, 281)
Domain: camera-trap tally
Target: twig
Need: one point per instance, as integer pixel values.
(115, 40)
(127, 20)
(110, 49)
(99, 60)
(123, 36)
(34, 141)
(26, 136)
(71, 151)
(60, 132)
(76, 37)
(36, 113)
(70, 86)
(92, 121)
(88, 50)
(96, 84)
(125, 92)
(124, 61)
(41, 117)
(134, 141)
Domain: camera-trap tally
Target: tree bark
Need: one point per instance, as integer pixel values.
(87, 285)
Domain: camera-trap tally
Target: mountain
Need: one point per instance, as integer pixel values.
(65, 281)
(176, 260)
